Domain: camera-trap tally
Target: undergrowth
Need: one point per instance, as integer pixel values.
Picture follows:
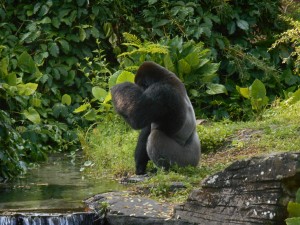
(110, 146)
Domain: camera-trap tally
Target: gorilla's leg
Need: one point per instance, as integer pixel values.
(165, 151)
(141, 155)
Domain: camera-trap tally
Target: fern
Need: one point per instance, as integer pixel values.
(136, 47)
(132, 39)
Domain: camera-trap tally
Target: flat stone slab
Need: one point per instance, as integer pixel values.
(126, 208)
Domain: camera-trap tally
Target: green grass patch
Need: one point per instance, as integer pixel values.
(110, 146)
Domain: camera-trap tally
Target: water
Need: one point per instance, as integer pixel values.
(55, 186)
(49, 219)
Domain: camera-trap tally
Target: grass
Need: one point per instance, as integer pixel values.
(110, 145)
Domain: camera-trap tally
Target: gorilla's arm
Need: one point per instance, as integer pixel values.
(139, 108)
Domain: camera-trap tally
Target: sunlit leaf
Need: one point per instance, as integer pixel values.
(27, 89)
(99, 93)
(125, 76)
(245, 92)
(36, 102)
(82, 108)
(214, 89)
(32, 115)
(66, 99)
(107, 98)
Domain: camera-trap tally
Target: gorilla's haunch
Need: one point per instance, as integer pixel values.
(158, 104)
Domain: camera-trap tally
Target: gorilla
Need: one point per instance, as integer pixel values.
(157, 103)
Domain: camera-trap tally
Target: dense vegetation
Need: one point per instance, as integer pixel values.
(58, 60)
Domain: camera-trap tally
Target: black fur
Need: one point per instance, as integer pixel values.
(158, 104)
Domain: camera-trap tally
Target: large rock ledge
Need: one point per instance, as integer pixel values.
(254, 191)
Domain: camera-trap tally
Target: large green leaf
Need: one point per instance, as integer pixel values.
(66, 99)
(26, 63)
(125, 76)
(99, 93)
(214, 89)
(27, 89)
(293, 209)
(293, 221)
(32, 115)
(258, 90)
(245, 92)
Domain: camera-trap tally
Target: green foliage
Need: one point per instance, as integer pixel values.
(256, 93)
(28, 116)
(294, 211)
(190, 61)
(60, 57)
(110, 146)
(12, 148)
(289, 41)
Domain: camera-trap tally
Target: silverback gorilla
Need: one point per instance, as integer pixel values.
(158, 104)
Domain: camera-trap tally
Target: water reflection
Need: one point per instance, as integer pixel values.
(55, 185)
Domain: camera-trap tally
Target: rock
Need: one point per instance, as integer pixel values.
(254, 191)
(134, 179)
(121, 208)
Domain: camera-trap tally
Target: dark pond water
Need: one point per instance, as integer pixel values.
(55, 186)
